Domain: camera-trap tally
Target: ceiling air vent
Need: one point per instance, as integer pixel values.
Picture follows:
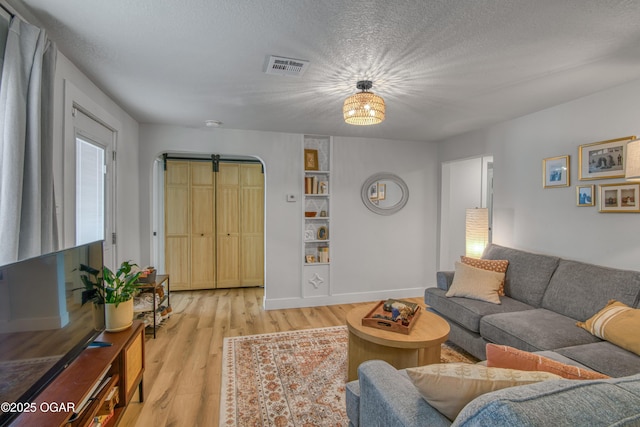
(281, 66)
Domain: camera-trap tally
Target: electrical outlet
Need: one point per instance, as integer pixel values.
(291, 198)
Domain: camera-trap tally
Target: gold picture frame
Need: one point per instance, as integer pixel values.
(603, 159)
(621, 197)
(556, 172)
(323, 233)
(585, 195)
(311, 159)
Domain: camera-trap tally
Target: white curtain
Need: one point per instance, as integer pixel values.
(27, 203)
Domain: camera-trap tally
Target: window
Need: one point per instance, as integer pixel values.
(90, 191)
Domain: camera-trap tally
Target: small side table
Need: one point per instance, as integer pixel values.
(420, 347)
(153, 287)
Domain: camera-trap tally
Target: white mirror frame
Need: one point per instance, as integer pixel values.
(364, 193)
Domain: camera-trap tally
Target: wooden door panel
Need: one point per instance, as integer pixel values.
(251, 175)
(252, 210)
(227, 210)
(176, 211)
(177, 173)
(228, 262)
(252, 260)
(177, 261)
(202, 262)
(201, 173)
(202, 210)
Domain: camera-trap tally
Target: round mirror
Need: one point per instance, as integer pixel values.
(384, 193)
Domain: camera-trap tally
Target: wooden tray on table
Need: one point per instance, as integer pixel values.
(388, 324)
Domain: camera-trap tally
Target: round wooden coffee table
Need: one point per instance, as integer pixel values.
(420, 347)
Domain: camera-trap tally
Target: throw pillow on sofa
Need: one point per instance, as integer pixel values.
(448, 387)
(617, 323)
(475, 283)
(497, 265)
(503, 356)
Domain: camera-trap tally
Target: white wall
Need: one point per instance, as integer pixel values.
(99, 104)
(371, 255)
(529, 217)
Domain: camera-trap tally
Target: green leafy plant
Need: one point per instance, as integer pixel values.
(119, 286)
(93, 289)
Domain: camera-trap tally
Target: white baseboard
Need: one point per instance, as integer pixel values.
(281, 303)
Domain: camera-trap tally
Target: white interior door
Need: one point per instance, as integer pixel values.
(93, 184)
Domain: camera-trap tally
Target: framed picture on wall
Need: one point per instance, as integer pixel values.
(604, 159)
(555, 172)
(622, 197)
(310, 159)
(585, 195)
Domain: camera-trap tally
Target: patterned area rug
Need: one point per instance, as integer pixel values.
(291, 378)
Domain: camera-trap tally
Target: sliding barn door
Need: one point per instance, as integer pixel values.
(214, 225)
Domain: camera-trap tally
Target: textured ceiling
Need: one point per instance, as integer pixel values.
(443, 66)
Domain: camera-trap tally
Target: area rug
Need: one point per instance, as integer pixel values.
(292, 378)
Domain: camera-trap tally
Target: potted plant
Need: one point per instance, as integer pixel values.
(118, 290)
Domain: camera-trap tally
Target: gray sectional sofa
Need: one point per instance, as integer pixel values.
(544, 298)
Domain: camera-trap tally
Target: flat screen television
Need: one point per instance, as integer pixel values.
(46, 319)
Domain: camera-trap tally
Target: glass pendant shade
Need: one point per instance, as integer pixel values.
(363, 108)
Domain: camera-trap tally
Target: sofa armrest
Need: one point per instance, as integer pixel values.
(389, 398)
(444, 279)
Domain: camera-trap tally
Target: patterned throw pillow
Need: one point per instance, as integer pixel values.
(448, 387)
(617, 323)
(497, 265)
(503, 356)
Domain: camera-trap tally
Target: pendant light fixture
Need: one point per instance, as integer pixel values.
(363, 108)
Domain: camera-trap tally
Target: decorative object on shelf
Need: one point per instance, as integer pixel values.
(119, 289)
(323, 233)
(585, 195)
(395, 190)
(323, 214)
(556, 172)
(323, 187)
(148, 275)
(476, 231)
(310, 159)
(632, 161)
(310, 259)
(622, 197)
(308, 235)
(323, 254)
(604, 159)
(364, 108)
(308, 214)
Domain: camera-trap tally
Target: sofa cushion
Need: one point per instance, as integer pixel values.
(534, 330)
(352, 394)
(503, 356)
(563, 403)
(578, 290)
(448, 387)
(528, 274)
(604, 357)
(498, 265)
(468, 312)
(617, 323)
(476, 283)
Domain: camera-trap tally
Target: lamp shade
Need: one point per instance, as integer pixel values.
(632, 162)
(476, 231)
(363, 108)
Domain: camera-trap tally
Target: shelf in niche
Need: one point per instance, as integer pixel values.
(316, 217)
(316, 195)
(309, 264)
(316, 172)
(316, 241)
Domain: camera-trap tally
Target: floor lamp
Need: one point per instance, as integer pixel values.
(476, 231)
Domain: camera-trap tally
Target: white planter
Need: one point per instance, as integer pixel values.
(119, 318)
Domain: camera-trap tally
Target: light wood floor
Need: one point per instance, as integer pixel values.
(184, 362)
